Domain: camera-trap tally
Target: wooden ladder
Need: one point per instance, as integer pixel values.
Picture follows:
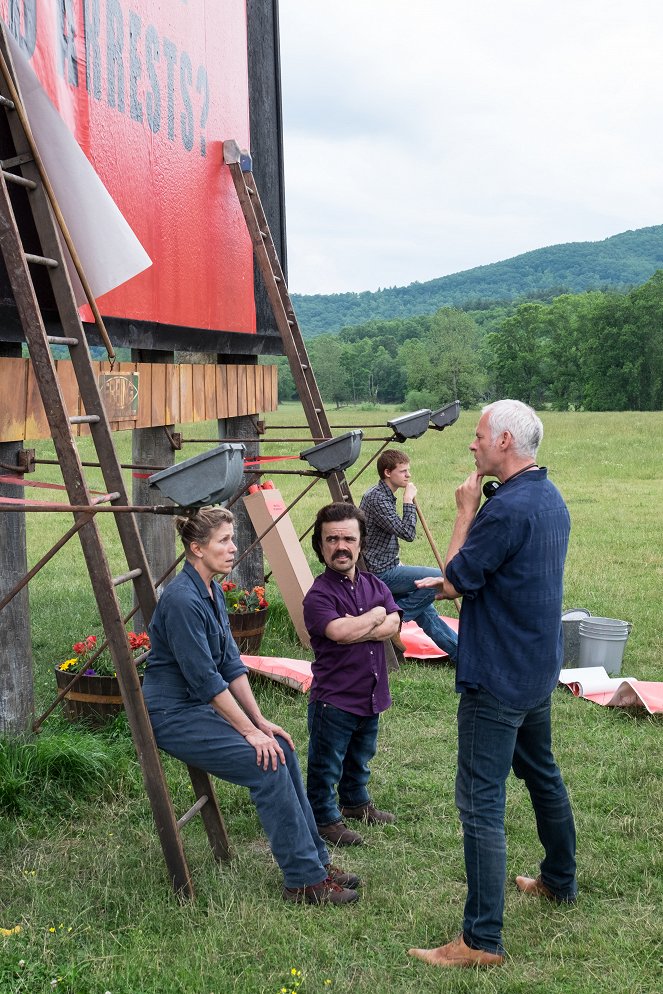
(240, 165)
(22, 172)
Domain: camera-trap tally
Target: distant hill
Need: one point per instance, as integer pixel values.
(620, 262)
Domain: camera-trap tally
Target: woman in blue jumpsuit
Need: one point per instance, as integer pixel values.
(204, 713)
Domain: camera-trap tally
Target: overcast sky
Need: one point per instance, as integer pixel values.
(424, 137)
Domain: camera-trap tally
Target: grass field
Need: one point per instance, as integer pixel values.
(81, 868)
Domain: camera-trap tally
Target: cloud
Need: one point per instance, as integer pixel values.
(426, 138)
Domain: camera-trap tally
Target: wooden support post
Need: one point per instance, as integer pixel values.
(151, 447)
(16, 681)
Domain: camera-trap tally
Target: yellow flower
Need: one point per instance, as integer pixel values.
(10, 931)
(51, 929)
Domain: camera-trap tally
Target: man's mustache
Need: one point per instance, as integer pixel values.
(341, 554)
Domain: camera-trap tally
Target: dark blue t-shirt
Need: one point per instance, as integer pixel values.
(510, 573)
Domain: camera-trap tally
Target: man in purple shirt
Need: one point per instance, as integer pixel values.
(349, 615)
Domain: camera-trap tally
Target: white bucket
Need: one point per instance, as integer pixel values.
(602, 643)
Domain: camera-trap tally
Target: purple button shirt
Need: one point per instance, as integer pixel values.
(351, 677)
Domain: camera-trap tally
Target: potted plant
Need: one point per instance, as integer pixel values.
(247, 613)
(96, 696)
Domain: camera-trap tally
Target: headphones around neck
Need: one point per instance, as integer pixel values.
(492, 486)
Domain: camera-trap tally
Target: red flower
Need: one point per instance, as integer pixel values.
(141, 641)
(79, 648)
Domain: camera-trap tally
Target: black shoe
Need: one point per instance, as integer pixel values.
(326, 892)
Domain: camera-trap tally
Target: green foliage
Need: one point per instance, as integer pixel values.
(52, 769)
(620, 262)
(81, 868)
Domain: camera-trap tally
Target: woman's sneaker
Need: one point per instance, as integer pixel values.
(326, 892)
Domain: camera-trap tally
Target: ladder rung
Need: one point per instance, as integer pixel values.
(263, 233)
(19, 180)
(291, 322)
(131, 575)
(303, 365)
(40, 260)
(193, 811)
(54, 340)
(6, 102)
(84, 419)
(251, 191)
(16, 160)
(277, 279)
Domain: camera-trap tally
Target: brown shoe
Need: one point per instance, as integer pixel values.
(457, 953)
(369, 814)
(535, 887)
(335, 873)
(326, 892)
(338, 834)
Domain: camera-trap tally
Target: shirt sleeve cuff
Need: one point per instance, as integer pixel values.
(211, 687)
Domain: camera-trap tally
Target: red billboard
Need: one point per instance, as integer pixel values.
(150, 89)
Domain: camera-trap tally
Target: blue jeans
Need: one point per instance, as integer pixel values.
(201, 737)
(340, 748)
(492, 739)
(417, 604)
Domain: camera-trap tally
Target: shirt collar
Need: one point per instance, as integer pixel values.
(387, 490)
(333, 574)
(196, 578)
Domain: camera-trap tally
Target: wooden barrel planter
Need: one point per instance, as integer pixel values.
(94, 699)
(248, 629)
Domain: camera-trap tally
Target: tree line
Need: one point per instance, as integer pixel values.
(620, 262)
(586, 351)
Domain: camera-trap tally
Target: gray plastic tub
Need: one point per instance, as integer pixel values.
(209, 478)
(334, 453)
(444, 417)
(411, 425)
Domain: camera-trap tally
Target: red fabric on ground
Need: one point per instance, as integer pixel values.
(418, 645)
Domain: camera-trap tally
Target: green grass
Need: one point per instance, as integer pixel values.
(79, 854)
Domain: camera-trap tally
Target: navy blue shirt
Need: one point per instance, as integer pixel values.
(353, 676)
(193, 656)
(510, 573)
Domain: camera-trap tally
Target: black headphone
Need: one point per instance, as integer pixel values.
(492, 486)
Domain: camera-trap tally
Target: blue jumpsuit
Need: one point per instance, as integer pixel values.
(193, 658)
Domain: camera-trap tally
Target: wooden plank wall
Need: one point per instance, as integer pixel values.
(167, 394)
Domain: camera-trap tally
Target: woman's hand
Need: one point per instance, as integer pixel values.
(268, 751)
(269, 728)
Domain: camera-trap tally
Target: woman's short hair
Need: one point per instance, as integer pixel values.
(339, 511)
(521, 421)
(199, 526)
